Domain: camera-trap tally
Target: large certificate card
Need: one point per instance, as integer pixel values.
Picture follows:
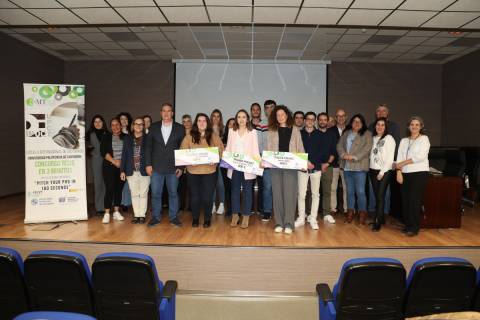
(285, 160)
(241, 162)
(188, 157)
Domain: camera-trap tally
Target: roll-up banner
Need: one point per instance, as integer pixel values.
(55, 180)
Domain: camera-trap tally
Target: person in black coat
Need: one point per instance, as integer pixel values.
(163, 139)
(133, 169)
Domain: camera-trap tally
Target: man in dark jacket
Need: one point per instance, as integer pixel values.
(164, 138)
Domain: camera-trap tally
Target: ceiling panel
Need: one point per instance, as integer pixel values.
(274, 15)
(364, 17)
(142, 15)
(230, 14)
(57, 16)
(319, 15)
(185, 14)
(451, 19)
(376, 4)
(99, 15)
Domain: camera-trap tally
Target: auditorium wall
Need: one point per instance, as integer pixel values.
(461, 107)
(20, 63)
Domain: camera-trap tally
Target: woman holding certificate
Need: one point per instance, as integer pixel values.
(202, 178)
(242, 139)
(283, 136)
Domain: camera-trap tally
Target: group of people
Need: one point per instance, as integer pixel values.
(136, 156)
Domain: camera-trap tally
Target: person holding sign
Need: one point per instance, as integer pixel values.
(242, 139)
(202, 177)
(283, 136)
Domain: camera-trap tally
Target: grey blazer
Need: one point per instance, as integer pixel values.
(360, 149)
(296, 143)
(159, 155)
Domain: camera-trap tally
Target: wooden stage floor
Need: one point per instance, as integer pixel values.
(259, 234)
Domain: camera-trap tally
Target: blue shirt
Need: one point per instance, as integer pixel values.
(319, 146)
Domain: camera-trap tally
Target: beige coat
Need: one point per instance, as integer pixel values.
(360, 150)
(296, 144)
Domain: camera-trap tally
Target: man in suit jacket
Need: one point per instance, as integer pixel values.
(164, 138)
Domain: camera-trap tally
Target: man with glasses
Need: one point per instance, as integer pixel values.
(164, 138)
(320, 146)
(337, 130)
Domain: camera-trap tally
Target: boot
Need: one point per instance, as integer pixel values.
(349, 216)
(235, 219)
(363, 217)
(377, 225)
(244, 224)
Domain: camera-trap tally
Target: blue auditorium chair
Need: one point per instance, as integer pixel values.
(367, 289)
(59, 281)
(476, 299)
(52, 315)
(439, 285)
(127, 287)
(13, 292)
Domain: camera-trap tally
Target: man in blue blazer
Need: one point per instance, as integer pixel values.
(164, 138)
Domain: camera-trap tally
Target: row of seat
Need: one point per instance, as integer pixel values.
(120, 286)
(378, 289)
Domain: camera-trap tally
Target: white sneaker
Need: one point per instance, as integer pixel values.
(329, 219)
(278, 229)
(118, 216)
(213, 209)
(106, 218)
(288, 230)
(299, 222)
(220, 209)
(314, 224)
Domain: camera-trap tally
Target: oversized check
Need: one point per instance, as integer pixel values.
(241, 162)
(285, 160)
(189, 157)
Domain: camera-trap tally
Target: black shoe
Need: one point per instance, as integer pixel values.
(124, 208)
(135, 220)
(175, 222)
(141, 220)
(405, 230)
(153, 222)
(207, 224)
(266, 216)
(411, 233)
(376, 226)
(195, 223)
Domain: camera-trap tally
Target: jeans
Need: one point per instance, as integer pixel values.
(372, 200)
(303, 178)
(201, 187)
(126, 197)
(238, 180)
(139, 191)
(157, 182)
(219, 187)
(355, 181)
(379, 189)
(265, 205)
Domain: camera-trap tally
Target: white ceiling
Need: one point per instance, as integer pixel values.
(406, 31)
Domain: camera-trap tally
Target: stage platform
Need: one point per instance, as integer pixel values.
(234, 259)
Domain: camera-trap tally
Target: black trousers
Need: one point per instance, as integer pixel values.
(379, 189)
(413, 189)
(184, 192)
(113, 186)
(201, 191)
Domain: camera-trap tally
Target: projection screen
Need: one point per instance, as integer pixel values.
(229, 86)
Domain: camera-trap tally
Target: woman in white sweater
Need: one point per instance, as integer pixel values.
(381, 161)
(412, 172)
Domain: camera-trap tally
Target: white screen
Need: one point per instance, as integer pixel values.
(204, 86)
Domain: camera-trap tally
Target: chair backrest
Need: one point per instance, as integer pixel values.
(456, 163)
(59, 281)
(370, 288)
(438, 285)
(476, 299)
(52, 315)
(13, 292)
(126, 286)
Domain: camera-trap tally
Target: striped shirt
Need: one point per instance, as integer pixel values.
(117, 147)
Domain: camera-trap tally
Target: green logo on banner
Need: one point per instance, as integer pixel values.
(29, 102)
(46, 92)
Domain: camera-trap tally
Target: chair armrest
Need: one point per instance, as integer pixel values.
(324, 292)
(169, 289)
